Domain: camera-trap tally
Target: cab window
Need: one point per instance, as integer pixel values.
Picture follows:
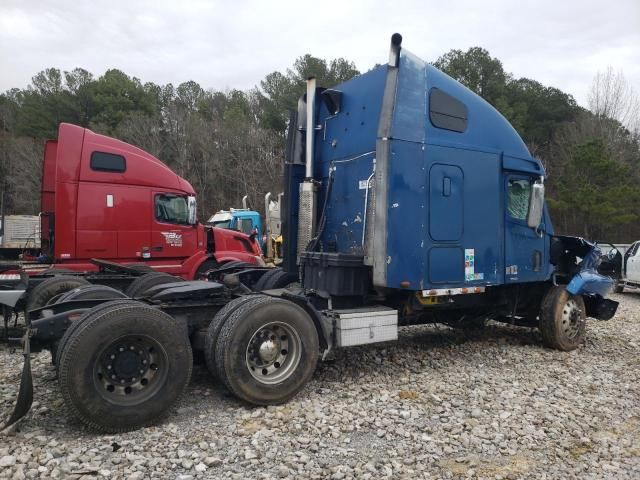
(519, 193)
(245, 225)
(172, 209)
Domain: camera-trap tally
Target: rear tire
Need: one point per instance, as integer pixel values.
(124, 366)
(259, 285)
(140, 285)
(267, 351)
(562, 319)
(43, 293)
(213, 330)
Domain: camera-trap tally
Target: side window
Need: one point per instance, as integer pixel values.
(447, 112)
(634, 249)
(245, 225)
(172, 209)
(519, 196)
(108, 162)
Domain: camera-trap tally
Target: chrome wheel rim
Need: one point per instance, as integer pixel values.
(571, 319)
(273, 353)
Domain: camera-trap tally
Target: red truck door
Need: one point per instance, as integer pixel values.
(172, 236)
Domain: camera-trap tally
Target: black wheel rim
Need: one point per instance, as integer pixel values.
(131, 369)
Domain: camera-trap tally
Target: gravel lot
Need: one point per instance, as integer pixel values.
(437, 404)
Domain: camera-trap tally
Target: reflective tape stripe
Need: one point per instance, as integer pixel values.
(439, 292)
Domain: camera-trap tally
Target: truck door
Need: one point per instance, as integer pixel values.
(633, 263)
(172, 236)
(524, 246)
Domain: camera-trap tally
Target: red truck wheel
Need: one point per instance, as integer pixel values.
(124, 366)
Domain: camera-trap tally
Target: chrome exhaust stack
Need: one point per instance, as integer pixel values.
(308, 188)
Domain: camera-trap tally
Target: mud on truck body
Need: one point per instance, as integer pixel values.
(408, 200)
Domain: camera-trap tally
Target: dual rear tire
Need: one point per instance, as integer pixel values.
(263, 349)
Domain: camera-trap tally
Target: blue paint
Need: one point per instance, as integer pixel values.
(588, 281)
(447, 191)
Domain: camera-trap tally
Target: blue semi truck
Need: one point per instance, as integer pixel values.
(408, 200)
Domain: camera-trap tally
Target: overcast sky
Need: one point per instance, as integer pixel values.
(234, 44)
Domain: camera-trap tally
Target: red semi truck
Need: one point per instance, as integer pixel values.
(103, 198)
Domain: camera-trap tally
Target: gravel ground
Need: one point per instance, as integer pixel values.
(436, 404)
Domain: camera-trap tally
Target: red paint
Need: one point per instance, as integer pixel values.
(75, 207)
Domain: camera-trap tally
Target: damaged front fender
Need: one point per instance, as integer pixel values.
(591, 285)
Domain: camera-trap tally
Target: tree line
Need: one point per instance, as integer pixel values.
(231, 143)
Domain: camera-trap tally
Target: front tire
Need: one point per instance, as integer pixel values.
(562, 319)
(124, 366)
(267, 351)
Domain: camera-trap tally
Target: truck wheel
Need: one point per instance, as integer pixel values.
(279, 279)
(562, 319)
(213, 330)
(267, 351)
(205, 267)
(82, 294)
(124, 366)
(43, 293)
(259, 285)
(140, 285)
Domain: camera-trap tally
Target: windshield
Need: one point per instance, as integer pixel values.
(221, 223)
(220, 220)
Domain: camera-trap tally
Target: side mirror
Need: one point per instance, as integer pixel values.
(192, 210)
(536, 205)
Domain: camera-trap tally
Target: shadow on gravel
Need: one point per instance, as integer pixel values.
(442, 336)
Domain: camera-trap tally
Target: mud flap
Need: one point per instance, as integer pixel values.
(25, 395)
(600, 308)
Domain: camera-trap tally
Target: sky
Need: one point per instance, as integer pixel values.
(225, 44)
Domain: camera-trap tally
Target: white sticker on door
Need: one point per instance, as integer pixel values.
(173, 239)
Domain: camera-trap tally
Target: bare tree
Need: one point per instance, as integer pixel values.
(612, 96)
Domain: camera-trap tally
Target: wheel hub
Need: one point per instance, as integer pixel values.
(127, 364)
(268, 351)
(130, 369)
(273, 353)
(571, 319)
